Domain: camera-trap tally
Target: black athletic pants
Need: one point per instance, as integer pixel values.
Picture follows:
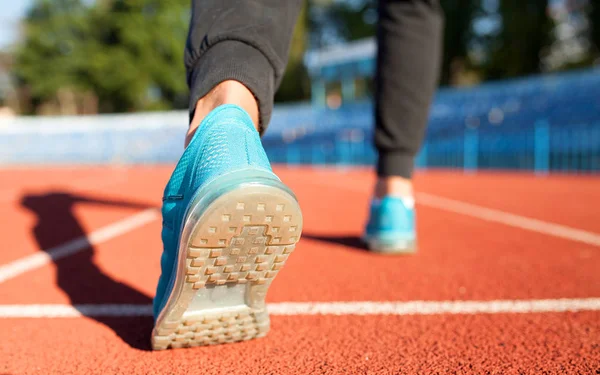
(248, 41)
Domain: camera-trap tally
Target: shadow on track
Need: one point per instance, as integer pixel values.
(354, 242)
(77, 275)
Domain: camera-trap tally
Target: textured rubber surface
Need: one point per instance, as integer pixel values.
(460, 258)
(238, 245)
(391, 247)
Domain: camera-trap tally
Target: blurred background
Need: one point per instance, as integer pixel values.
(520, 85)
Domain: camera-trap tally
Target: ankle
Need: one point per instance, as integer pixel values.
(226, 92)
(394, 186)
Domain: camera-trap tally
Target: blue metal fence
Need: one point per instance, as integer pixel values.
(542, 124)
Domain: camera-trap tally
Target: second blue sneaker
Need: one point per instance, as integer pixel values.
(229, 224)
(391, 226)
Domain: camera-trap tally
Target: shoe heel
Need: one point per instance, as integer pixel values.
(391, 246)
(235, 241)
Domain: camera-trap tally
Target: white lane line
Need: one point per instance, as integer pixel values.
(39, 259)
(436, 307)
(328, 308)
(69, 311)
(489, 214)
(497, 216)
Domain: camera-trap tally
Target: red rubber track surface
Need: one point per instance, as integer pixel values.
(461, 257)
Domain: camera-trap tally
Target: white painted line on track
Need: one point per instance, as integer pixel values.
(518, 221)
(328, 308)
(69, 311)
(435, 307)
(489, 214)
(31, 262)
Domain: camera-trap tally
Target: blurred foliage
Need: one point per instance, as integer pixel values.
(516, 49)
(595, 26)
(127, 55)
(295, 85)
(356, 19)
(353, 20)
(458, 17)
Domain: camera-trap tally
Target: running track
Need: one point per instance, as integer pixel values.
(506, 281)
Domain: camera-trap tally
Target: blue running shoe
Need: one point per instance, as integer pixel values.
(391, 226)
(229, 224)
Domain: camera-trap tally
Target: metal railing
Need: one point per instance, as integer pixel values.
(539, 124)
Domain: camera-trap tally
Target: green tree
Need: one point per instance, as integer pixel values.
(458, 33)
(129, 53)
(144, 43)
(295, 85)
(49, 60)
(595, 26)
(516, 49)
(354, 20)
(351, 20)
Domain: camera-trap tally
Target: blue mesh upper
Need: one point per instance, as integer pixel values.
(225, 141)
(390, 216)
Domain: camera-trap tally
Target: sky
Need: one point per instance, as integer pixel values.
(11, 12)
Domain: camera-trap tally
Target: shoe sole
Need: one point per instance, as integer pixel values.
(237, 245)
(387, 247)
